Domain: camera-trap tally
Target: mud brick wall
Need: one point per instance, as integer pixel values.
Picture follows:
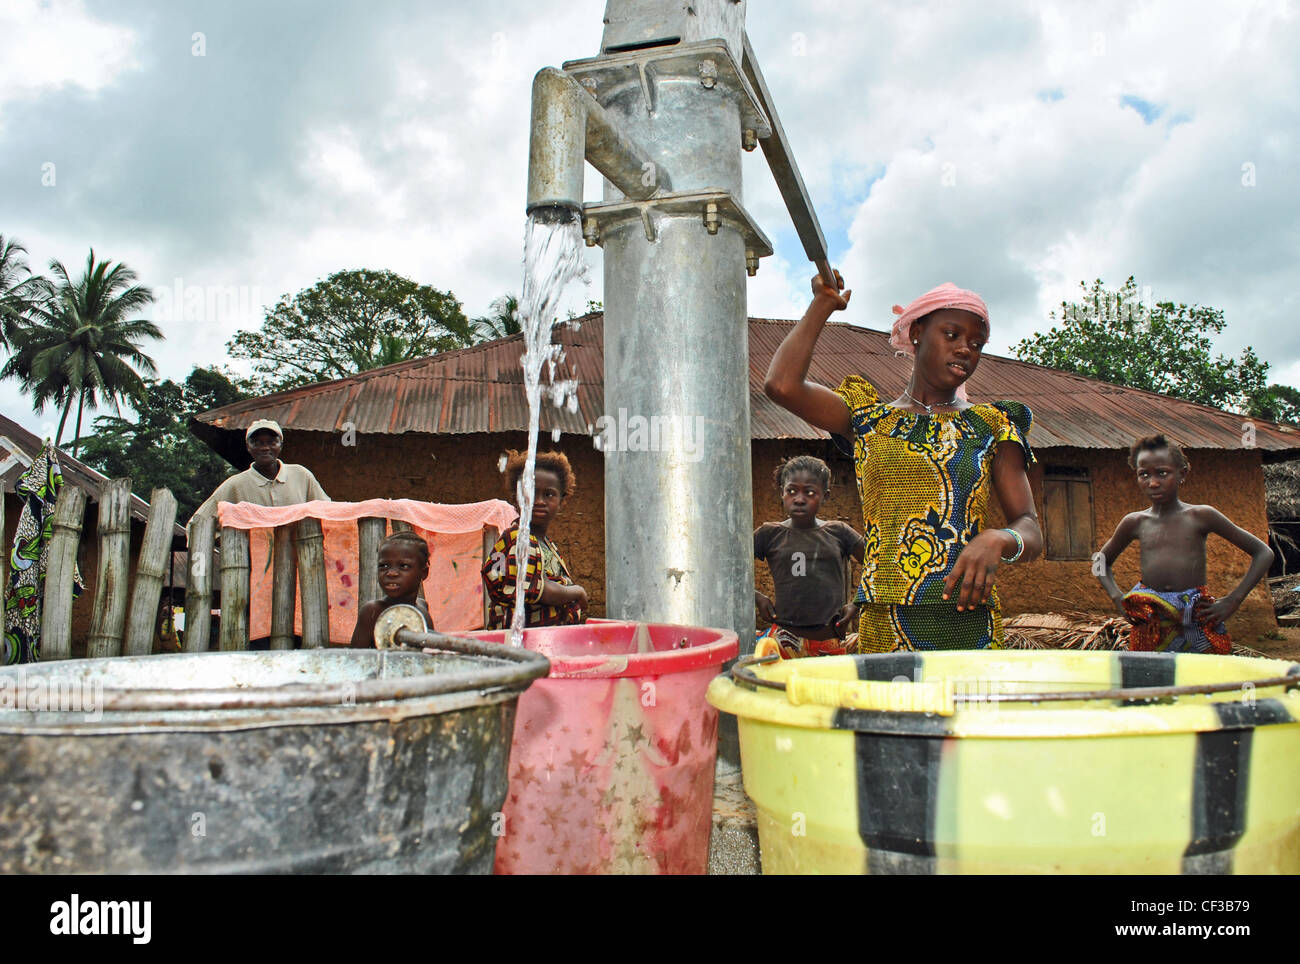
(463, 468)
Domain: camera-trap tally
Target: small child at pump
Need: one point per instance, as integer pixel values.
(1170, 608)
(551, 597)
(403, 566)
(810, 616)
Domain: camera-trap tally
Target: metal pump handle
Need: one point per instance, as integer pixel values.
(786, 173)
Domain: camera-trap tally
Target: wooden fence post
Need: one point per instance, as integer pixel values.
(198, 584)
(235, 570)
(490, 536)
(150, 569)
(283, 571)
(310, 539)
(56, 611)
(370, 533)
(109, 615)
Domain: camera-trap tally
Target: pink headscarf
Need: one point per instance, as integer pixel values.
(947, 295)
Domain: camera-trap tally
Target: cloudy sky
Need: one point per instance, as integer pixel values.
(1011, 147)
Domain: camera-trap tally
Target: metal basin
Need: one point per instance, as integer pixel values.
(314, 761)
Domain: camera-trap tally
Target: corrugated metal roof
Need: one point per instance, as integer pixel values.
(480, 389)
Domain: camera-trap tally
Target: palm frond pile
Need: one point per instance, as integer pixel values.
(1286, 597)
(1078, 631)
(1065, 630)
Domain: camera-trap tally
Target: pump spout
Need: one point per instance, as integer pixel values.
(568, 127)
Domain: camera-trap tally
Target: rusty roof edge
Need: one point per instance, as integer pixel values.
(337, 384)
(1268, 455)
(1273, 439)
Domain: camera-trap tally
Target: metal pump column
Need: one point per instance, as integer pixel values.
(678, 498)
(676, 90)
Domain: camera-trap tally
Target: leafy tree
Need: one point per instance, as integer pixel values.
(81, 342)
(351, 322)
(1277, 403)
(501, 321)
(1163, 348)
(20, 291)
(156, 449)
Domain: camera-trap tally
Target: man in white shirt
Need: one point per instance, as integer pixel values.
(268, 481)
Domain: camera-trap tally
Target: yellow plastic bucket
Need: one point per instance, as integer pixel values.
(1118, 763)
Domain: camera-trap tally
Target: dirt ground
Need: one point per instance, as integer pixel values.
(1288, 647)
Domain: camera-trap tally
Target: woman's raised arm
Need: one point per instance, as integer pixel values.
(787, 377)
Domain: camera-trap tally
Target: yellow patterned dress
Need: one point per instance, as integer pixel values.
(924, 481)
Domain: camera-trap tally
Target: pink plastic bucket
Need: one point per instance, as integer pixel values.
(611, 768)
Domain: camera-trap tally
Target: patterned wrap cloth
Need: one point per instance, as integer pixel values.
(794, 646)
(1166, 622)
(924, 482)
(38, 490)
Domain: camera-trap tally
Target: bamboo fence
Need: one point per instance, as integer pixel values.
(125, 613)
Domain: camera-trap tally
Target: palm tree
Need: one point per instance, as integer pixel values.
(501, 321)
(20, 290)
(82, 343)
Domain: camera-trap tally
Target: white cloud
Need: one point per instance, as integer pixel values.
(55, 44)
(398, 139)
(1053, 180)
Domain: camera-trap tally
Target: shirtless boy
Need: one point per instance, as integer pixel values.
(1170, 608)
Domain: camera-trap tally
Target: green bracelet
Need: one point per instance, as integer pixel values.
(1020, 546)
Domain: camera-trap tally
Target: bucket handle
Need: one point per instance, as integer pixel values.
(533, 663)
(894, 696)
(898, 696)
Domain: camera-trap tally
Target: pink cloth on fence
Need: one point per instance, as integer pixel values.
(453, 591)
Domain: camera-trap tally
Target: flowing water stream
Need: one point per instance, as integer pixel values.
(552, 258)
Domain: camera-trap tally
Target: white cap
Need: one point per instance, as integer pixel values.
(262, 423)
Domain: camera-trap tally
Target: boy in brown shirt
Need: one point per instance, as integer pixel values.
(806, 556)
